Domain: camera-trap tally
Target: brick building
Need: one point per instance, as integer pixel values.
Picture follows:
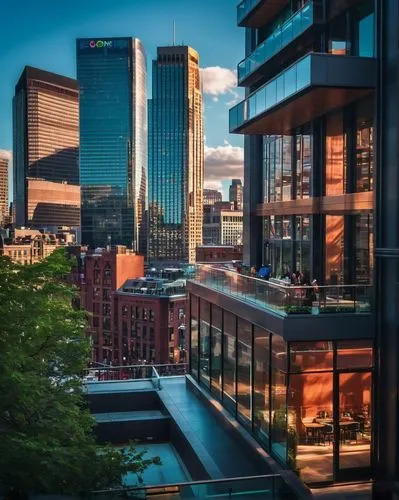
(218, 253)
(132, 319)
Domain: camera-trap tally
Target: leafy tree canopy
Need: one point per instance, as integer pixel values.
(46, 440)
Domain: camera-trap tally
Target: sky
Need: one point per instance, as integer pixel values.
(42, 34)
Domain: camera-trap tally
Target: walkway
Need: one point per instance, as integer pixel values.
(205, 433)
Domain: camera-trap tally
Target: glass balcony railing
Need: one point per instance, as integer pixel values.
(286, 299)
(245, 7)
(255, 487)
(101, 372)
(297, 24)
(283, 86)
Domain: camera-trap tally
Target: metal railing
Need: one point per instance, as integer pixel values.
(297, 24)
(286, 299)
(101, 372)
(267, 486)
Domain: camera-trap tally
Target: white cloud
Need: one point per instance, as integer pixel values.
(6, 154)
(217, 80)
(223, 162)
(215, 99)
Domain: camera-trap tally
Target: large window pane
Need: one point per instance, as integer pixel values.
(335, 155)
(278, 398)
(204, 341)
(355, 354)
(355, 420)
(244, 352)
(229, 360)
(311, 356)
(194, 336)
(216, 352)
(261, 384)
(364, 146)
(334, 249)
(310, 426)
(364, 245)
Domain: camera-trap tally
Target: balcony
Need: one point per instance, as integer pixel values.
(295, 28)
(311, 87)
(256, 13)
(294, 312)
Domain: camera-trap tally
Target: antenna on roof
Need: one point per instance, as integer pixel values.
(174, 33)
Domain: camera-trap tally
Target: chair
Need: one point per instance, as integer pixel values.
(327, 433)
(352, 430)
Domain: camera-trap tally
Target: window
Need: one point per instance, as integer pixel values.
(106, 324)
(334, 249)
(204, 341)
(229, 360)
(311, 356)
(355, 354)
(106, 309)
(262, 384)
(194, 335)
(278, 398)
(151, 315)
(335, 155)
(96, 321)
(364, 168)
(145, 314)
(244, 367)
(106, 294)
(124, 310)
(144, 332)
(171, 335)
(216, 352)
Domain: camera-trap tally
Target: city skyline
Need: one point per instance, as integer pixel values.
(52, 50)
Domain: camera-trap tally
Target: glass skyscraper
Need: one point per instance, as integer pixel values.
(46, 150)
(113, 134)
(176, 156)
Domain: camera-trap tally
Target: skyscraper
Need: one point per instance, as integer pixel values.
(4, 171)
(46, 140)
(176, 156)
(113, 139)
(212, 196)
(235, 193)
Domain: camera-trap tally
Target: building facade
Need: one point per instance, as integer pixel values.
(5, 157)
(113, 137)
(222, 224)
(308, 370)
(231, 227)
(151, 321)
(212, 196)
(46, 150)
(176, 156)
(218, 253)
(105, 271)
(236, 193)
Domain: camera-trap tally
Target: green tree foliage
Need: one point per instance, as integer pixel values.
(46, 440)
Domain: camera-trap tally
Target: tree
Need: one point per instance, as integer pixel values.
(46, 439)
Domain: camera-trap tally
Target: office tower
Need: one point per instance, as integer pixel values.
(113, 140)
(4, 172)
(235, 193)
(176, 156)
(46, 149)
(310, 367)
(212, 196)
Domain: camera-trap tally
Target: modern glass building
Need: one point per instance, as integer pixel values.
(46, 150)
(176, 156)
(111, 74)
(5, 157)
(310, 368)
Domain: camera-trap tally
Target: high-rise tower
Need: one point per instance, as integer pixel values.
(113, 133)
(176, 156)
(4, 172)
(46, 140)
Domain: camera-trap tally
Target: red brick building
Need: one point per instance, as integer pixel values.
(132, 319)
(104, 272)
(151, 321)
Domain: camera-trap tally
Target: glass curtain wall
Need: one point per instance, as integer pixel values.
(244, 371)
(204, 342)
(261, 400)
(194, 335)
(229, 360)
(216, 352)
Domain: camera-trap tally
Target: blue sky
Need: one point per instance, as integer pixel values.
(42, 33)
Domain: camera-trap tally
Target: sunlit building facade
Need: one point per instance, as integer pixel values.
(46, 149)
(113, 135)
(307, 367)
(236, 193)
(5, 157)
(176, 156)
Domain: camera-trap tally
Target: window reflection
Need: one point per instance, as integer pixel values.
(364, 245)
(216, 351)
(194, 335)
(244, 367)
(335, 155)
(229, 360)
(278, 398)
(355, 354)
(204, 342)
(334, 249)
(364, 146)
(261, 384)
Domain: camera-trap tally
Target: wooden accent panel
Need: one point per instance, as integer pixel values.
(343, 204)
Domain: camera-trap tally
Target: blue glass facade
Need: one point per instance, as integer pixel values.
(175, 156)
(106, 75)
